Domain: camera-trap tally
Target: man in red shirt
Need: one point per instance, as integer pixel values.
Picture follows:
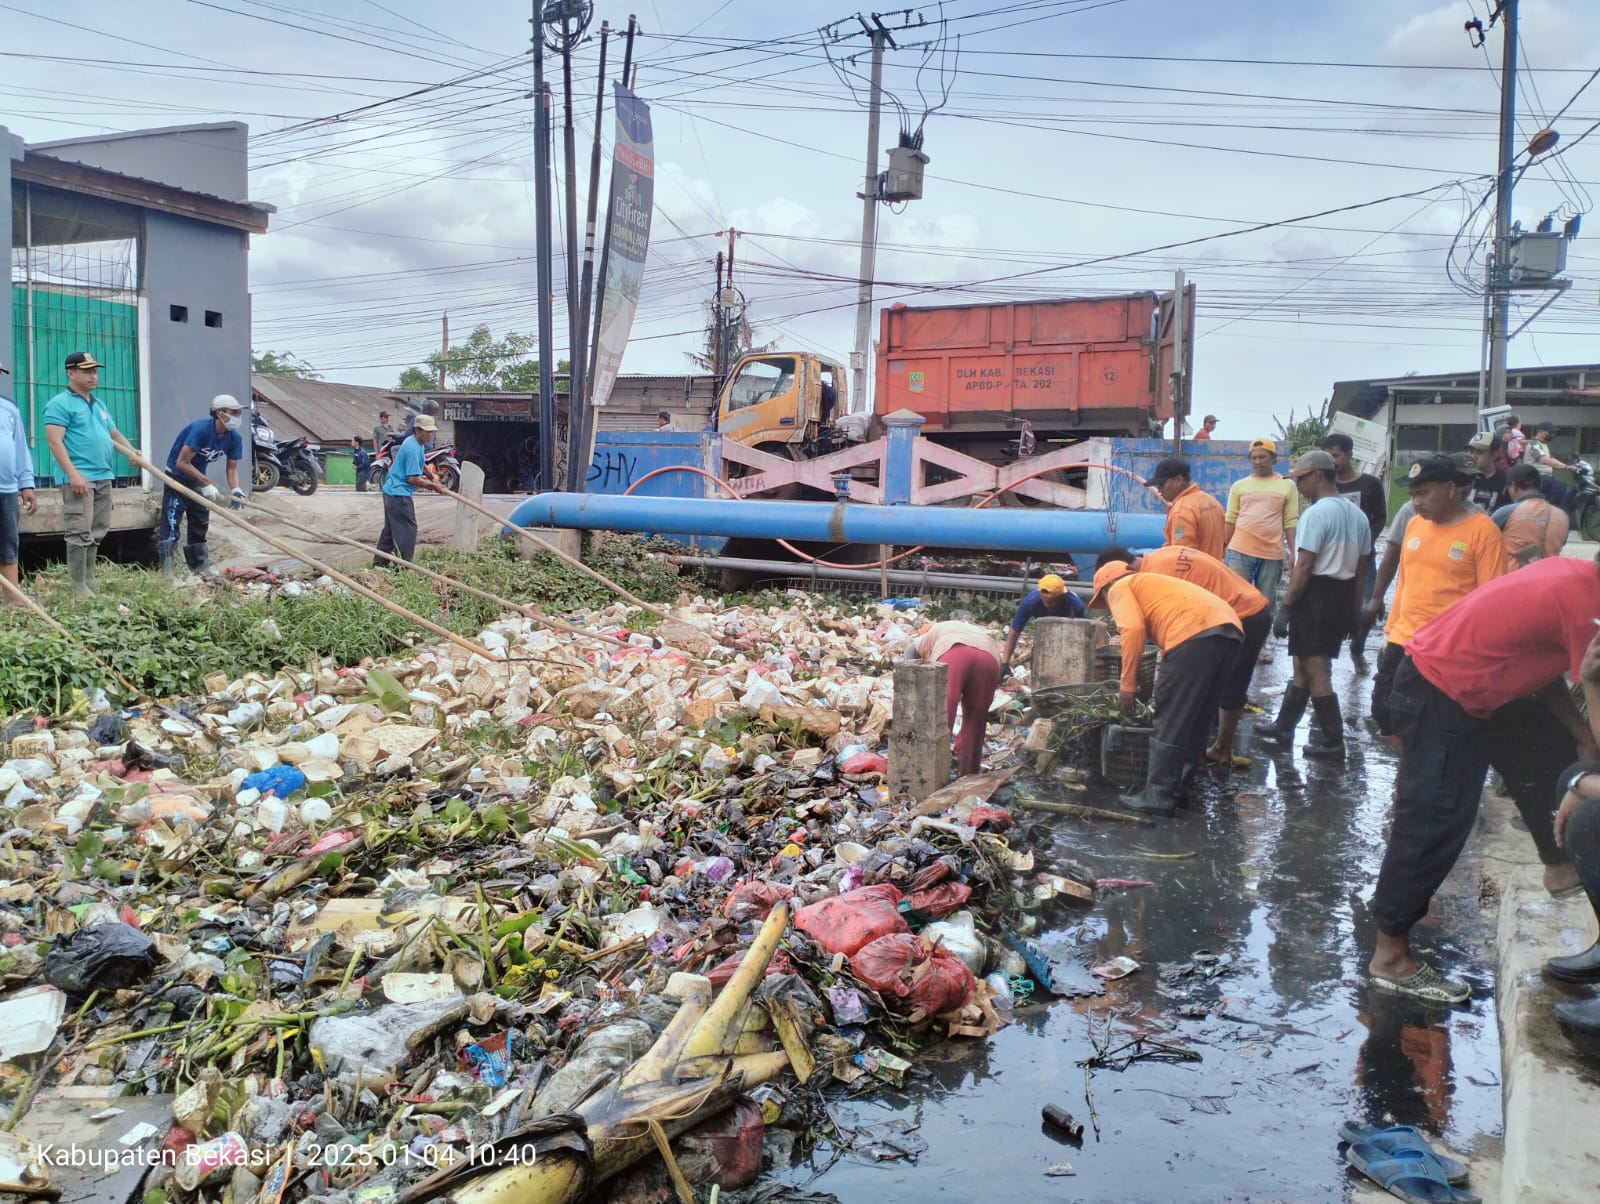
(1479, 686)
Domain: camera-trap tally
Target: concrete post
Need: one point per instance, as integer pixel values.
(1063, 651)
(899, 482)
(919, 737)
(466, 536)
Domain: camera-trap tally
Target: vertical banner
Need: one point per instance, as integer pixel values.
(627, 237)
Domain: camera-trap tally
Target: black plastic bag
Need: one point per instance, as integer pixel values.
(108, 729)
(137, 756)
(106, 957)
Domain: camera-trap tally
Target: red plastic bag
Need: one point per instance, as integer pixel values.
(755, 900)
(864, 763)
(914, 978)
(997, 818)
(846, 922)
(939, 901)
(722, 971)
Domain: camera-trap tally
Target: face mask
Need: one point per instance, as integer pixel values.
(233, 423)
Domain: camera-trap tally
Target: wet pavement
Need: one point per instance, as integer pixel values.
(1271, 875)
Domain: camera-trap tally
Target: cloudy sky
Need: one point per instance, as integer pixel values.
(1086, 147)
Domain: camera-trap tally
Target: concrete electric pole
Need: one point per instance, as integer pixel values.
(869, 216)
(1499, 262)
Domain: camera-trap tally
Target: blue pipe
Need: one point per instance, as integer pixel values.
(830, 522)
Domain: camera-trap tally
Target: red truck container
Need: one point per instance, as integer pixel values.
(1081, 366)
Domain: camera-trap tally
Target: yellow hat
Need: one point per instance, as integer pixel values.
(1052, 585)
(1105, 577)
(1264, 445)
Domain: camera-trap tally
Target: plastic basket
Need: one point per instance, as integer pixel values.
(1108, 667)
(1125, 754)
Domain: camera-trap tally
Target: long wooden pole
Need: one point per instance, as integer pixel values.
(524, 610)
(134, 457)
(545, 546)
(16, 592)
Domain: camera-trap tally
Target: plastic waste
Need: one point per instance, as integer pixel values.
(108, 729)
(281, 780)
(754, 900)
(1059, 1118)
(106, 957)
(912, 977)
(214, 1159)
(137, 756)
(315, 811)
(864, 763)
(848, 1006)
(846, 922)
(939, 901)
(959, 935)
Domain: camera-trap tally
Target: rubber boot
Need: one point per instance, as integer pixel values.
(1327, 733)
(1162, 782)
(1295, 700)
(164, 554)
(78, 570)
(90, 555)
(200, 557)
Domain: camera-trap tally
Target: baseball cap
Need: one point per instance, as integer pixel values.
(1264, 445)
(1482, 441)
(1436, 468)
(225, 401)
(1312, 461)
(1167, 469)
(1209, 418)
(1051, 584)
(425, 422)
(82, 359)
(1106, 576)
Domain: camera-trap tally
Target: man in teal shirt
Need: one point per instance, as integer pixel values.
(406, 475)
(78, 428)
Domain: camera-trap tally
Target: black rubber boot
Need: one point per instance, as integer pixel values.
(1295, 700)
(1327, 733)
(1162, 782)
(1581, 1017)
(164, 552)
(1580, 967)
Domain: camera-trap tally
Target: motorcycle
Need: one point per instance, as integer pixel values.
(440, 458)
(280, 461)
(1583, 507)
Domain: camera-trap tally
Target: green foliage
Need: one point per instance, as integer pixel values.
(1298, 435)
(166, 640)
(282, 363)
(482, 364)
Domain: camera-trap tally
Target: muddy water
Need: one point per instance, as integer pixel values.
(1278, 865)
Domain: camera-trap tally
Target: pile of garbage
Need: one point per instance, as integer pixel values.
(360, 932)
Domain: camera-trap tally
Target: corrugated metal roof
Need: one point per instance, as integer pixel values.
(328, 412)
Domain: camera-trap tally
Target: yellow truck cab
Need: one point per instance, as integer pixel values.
(781, 402)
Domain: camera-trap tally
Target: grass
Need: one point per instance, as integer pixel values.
(165, 640)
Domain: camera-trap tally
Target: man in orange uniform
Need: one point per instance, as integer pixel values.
(1531, 527)
(1199, 636)
(1194, 518)
(1447, 551)
(1249, 603)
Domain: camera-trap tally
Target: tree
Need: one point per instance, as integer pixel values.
(1304, 434)
(481, 364)
(282, 363)
(741, 342)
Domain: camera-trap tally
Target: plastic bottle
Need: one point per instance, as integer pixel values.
(1060, 1118)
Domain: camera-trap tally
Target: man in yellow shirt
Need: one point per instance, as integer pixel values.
(1447, 551)
(1260, 520)
(1194, 518)
(1199, 636)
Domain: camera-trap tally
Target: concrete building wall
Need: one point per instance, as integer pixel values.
(209, 159)
(203, 271)
(10, 148)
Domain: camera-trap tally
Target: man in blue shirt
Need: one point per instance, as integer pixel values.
(16, 480)
(197, 445)
(78, 429)
(405, 476)
(363, 462)
(1051, 601)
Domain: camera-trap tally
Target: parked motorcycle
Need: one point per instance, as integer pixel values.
(440, 458)
(282, 461)
(1583, 508)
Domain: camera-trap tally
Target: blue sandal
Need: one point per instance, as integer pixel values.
(1395, 1138)
(1411, 1174)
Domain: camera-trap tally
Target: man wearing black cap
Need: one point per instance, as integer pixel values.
(1195, 519)
(78, 428)
(381, 433)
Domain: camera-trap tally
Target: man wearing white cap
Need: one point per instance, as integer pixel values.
(16, 479)
(199, 444)
(406, 475)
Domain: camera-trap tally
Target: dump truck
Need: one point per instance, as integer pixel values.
(988, 380)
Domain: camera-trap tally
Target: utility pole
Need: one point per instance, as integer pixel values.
(869, 215)
(729, 321)
(542, 253)
(444, 348)
(575, 445)
(718, 368)
(1178, 382)
(1499, 263)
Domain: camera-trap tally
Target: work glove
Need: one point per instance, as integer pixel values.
(1005, 672)
(236, 502)
(1280, 621)
(211, 493)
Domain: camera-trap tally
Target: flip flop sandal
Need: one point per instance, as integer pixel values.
(1427, 984)
(1412, 1175)
(1394, 1138)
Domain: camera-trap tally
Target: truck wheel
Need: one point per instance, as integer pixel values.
(264, 476)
